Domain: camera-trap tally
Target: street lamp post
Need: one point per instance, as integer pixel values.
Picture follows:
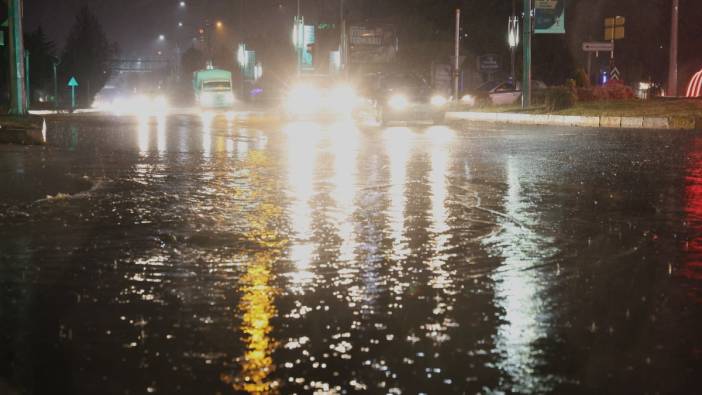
(55, 63)
(457, 54)
(673, 62)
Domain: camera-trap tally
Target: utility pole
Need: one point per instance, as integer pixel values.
(456, 55)
(55, 63)
(673, 64)
(342, 47)
(526, 73)
(18, 94)
(513, 41)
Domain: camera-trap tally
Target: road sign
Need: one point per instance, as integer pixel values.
(488, 63)
(614, 74)
(598, 46)
(73, 84)
(614, 28)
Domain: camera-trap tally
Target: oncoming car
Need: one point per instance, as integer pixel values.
(314, 96)
(498, 93)
(408, 97)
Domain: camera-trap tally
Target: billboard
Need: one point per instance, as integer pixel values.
(309, 40)
(549, 16)
(372, 44)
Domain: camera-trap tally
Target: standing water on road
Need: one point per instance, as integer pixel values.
(194, 255)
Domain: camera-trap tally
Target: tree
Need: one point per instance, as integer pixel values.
(42, 54)
(193, 60)
(86, 56)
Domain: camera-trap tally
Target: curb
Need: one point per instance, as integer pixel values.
(23, 131)
(607, 122)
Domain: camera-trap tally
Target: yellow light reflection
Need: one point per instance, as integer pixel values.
(257, 304)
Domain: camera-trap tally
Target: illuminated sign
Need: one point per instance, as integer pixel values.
(549, 16)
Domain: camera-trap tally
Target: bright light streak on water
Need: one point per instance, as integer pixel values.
(143, 135)
(518, 290)
(207, 119)
(344, 147)
(302, 141)
(398, 142)
(161, 141)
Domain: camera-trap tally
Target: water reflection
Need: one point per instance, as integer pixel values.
(161, 142)
(257, 304)
(207, 119)
(302, 141)
(519, 286)
(692, 265)
(143, 135)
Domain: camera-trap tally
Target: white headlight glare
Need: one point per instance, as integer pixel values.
(468, 99)
(343, 98)
(303, 99)
(438, 101)
(398, 102)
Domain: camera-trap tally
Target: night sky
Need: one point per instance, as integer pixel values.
(135, 24)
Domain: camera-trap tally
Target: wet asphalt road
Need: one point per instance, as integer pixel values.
(194, 255)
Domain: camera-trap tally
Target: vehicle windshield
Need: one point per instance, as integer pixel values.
(488, 86)
(216, 85)
(404, 81)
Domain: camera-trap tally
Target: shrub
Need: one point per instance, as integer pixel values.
(585, 94)
(582, 80)
(613, 90)
(559, 98)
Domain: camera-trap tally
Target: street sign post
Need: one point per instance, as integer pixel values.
(598, 46)
(73, 84)
(614, 30)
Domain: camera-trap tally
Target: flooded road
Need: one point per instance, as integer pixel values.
(194, 255)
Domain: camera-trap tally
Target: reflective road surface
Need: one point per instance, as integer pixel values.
(193, 255)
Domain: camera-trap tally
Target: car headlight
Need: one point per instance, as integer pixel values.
(438, 101)
(398, 102)
(303, 99)
(468, 99)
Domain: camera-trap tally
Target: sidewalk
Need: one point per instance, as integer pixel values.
(614, 122)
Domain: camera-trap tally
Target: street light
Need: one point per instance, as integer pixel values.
(161, 37)
(182, 4)
(219, 24)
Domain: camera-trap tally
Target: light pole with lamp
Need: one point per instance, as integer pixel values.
(673, 61)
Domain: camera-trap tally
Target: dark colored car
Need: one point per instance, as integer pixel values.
(408, 97)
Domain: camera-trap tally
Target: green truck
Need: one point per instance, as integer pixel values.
(213, 88)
